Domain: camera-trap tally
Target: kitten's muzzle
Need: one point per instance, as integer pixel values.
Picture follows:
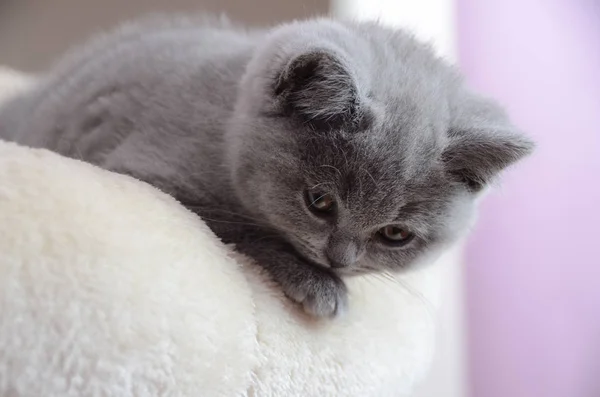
(343, 251)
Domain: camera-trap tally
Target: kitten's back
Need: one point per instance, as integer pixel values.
(138, 68)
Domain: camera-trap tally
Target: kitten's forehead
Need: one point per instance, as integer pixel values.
(370, 170)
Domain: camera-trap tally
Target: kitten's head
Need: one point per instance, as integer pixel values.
(362, 147)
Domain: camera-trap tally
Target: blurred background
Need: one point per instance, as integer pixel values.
(522, 306)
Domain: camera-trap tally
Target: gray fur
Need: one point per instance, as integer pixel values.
(237, 124)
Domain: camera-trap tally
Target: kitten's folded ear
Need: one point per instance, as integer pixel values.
(318, 87)
(482, 142)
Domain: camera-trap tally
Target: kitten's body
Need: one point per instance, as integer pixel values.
(152, 99)
(237, 124)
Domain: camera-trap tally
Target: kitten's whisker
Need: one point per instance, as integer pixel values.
(345, 157)
(386, 278)
(334, 168)
(199, 207)
(370, 280)
(370, 175)
(429, 306)
(317, 199)
(389, 277)
(263, 238)
(361, 190)
(230, 222)
(319, 184)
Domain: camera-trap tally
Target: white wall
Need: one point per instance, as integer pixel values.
(430, 20)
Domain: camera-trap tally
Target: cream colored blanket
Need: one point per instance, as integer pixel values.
(110, 288)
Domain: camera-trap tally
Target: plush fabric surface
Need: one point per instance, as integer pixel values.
(109, 287)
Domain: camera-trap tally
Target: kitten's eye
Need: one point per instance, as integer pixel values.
(320, 202)
(395, 235)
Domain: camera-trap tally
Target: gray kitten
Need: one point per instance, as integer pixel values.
(320, 148)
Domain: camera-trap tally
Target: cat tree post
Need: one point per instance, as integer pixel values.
(433, 21)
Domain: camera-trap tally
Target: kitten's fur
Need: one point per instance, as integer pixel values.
(238, 124)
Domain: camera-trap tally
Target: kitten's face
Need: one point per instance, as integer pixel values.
(352, 203)
(363, 165)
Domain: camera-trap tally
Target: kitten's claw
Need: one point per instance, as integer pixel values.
(321, 295)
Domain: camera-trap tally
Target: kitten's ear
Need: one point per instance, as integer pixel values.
(317, 87)
(482, 142)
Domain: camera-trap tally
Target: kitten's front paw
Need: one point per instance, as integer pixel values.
(321, 294)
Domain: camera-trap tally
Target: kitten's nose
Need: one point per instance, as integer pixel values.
(342, 252)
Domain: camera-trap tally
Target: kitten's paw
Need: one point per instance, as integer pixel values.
(321, 295)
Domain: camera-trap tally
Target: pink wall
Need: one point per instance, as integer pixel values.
(534, 262)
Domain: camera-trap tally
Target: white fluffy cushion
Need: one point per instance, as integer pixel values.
(110, 288)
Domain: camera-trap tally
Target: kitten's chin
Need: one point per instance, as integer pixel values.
(352, 271)
(307, 254)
